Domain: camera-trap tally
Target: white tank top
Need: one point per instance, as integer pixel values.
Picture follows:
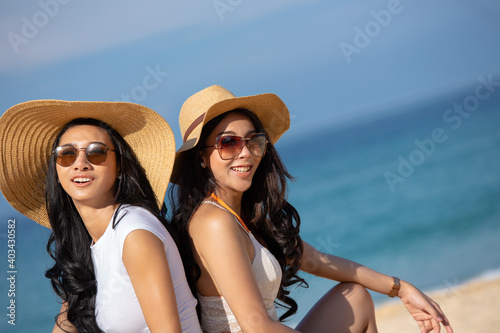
(216, 315)
(117, 307)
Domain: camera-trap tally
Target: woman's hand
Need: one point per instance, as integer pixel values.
(426, 312)
(423, 309)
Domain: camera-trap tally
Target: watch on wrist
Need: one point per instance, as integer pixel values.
(395, 287)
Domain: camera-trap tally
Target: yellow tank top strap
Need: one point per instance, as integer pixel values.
(223, 204)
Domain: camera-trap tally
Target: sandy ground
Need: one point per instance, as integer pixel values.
(471, 307)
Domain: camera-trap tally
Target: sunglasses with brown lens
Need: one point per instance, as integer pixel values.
(96, 153)
(230, 146)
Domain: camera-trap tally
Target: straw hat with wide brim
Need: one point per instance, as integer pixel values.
(28, 130)
(215, 100)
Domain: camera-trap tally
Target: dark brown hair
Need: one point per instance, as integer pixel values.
(72, 276)
(264, 207)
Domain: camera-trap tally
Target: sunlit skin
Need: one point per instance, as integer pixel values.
(93, 194)
(224, 253)
(235, 176)
(98, 189)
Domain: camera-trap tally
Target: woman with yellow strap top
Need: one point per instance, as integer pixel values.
(241, 243)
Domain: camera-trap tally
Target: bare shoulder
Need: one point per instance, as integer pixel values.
(140, 244)
(142, 238)
(214, 230)
(212, 220)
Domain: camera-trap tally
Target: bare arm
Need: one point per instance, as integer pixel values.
(420, 306)
(343, 270)
(146, 263)
(220, 243)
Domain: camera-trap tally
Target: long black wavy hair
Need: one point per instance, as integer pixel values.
(264, 207)
(72, 276)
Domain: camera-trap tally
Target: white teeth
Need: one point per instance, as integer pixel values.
(82, 180)
(241, 169)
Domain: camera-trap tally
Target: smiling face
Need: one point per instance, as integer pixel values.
(233, 176)
(88, 184)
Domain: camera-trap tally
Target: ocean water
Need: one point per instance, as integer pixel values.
(415, 195)
(412, 195)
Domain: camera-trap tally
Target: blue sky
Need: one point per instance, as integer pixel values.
(331, 62)
(397, 51)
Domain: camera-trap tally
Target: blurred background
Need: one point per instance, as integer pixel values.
(395, 114)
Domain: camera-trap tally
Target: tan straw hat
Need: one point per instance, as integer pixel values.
(215, 100)
(28, 130)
